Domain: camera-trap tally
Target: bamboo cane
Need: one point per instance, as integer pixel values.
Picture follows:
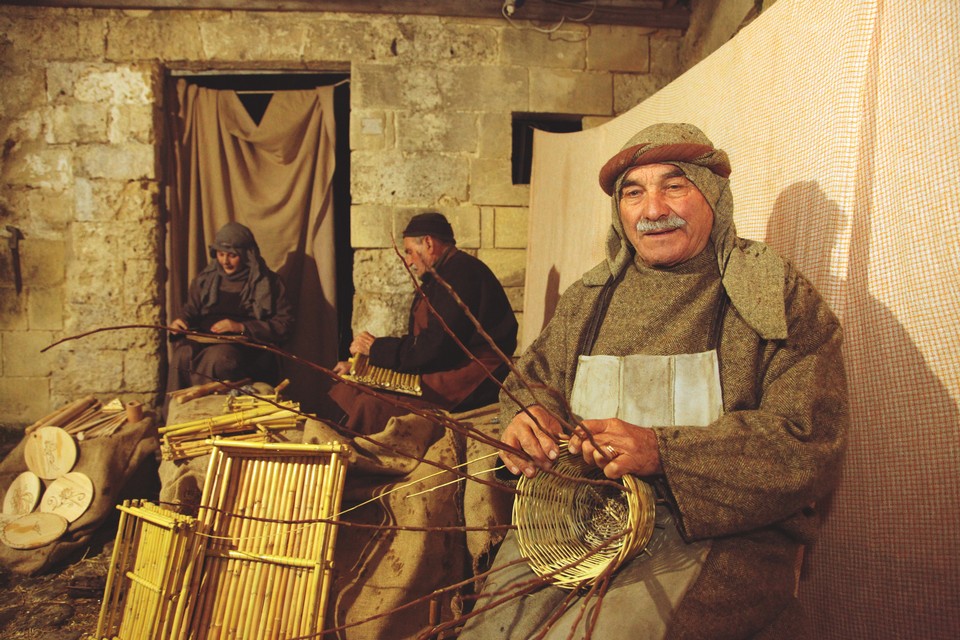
(64, 414)
(249, 536)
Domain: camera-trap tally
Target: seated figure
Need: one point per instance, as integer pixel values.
(235, 295)
(450, 379)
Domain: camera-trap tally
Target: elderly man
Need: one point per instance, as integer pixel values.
(723, 385)
(450, 379)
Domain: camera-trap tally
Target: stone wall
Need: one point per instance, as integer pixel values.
(431, 105)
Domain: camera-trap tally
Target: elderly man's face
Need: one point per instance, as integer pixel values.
(664, 215)
(417, 254)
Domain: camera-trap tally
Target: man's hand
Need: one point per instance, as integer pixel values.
(342, 368)
(179, 324)
(538, 442)
(623, 448)
(362, 343)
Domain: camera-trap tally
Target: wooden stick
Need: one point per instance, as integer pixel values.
(62, 415)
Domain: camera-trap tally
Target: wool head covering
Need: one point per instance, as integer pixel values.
(752, 273)
(430, 224)
(234, 237)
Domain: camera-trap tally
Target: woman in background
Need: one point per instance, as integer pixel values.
(235, 295)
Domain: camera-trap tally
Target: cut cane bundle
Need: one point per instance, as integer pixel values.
(568, 528)
(254, 422)
(265, 569)
(152, 548)
(88, 418)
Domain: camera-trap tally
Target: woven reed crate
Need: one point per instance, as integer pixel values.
(265, 567)
(152, 548)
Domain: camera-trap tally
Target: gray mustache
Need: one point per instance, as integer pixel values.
(673, 221)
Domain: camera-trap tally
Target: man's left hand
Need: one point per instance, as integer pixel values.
(623, 448)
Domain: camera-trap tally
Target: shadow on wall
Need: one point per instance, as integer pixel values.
(882, 546)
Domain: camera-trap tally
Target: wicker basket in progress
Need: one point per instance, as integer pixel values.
(560, 520)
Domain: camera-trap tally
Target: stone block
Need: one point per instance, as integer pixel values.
(53, 34)
(23, 355)
(45, 309)
(407, 179)
(491, 183)
(372, 130)
(13, 308)
(444, 132)
(389, 87)
(445, 42)
(488, 227)
(141, 282)
(515, 296)
(115, 84)
(41, 211)
(485, 88)
(348, 39)
(21, 92)
(80, 122)
(141, 372)
(253, 37)
(382, 314)
(43, 262)
(166, 35)
(129, 161)
(509, 265)
(27, 127)
(511, 228)
(371, 226)
(380, 271)
(563, 49)
(108, 201)
(562, 91)
(630, 90)
(39, 167)
(496, 136)
(133, 123)
(665, 50)
(24, 400)
(98, 372)
(618, 48)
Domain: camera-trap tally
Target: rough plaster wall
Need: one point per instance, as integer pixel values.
(430, 128)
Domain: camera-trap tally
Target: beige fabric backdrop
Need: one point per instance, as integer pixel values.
(842, 122)
(275, 178)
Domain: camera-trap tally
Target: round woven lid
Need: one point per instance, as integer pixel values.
(568, 529)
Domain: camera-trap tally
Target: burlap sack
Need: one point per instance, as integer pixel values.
(111, 463)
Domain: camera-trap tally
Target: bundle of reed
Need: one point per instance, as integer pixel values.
(152, 549)
(572, 531)
(201, 390)
(267, 561)
(257, 423)
(64, 415)
(89, 418)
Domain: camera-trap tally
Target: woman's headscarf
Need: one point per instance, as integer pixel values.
(751, 272)
(256, 295)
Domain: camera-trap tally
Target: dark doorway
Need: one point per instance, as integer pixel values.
(255, 91)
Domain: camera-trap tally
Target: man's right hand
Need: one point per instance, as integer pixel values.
(539, 442)
(342, 368)
(179, 324)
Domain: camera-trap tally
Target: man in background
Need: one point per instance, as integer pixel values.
(450, 378)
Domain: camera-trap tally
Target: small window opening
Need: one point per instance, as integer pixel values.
(523, 126)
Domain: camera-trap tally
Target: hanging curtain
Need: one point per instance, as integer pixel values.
(275, 178)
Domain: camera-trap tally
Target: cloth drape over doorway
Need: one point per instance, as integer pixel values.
(274, 177)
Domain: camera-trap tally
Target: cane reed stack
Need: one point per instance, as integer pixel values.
(244, 418)
(152, 549)
(265, 569)
(565, 525)
(380, 378)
